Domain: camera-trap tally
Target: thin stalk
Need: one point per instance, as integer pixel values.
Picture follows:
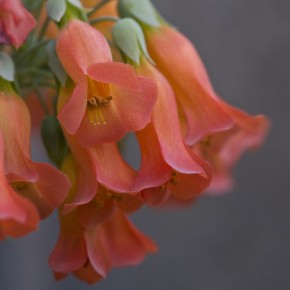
(40, 97)
(43, 28)
(97, 7)
(103, 19)
(31, 49)
(40, 83)
(39, 72)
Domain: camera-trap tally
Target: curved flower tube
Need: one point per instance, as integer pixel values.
(109, 100)
(224, 149)
(39, 184)
(189, 80)
(18, 216)
(167, 163)
(96, 237)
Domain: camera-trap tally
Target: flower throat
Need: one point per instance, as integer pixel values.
(99, 96)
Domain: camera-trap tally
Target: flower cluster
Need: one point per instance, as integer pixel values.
(102, 69)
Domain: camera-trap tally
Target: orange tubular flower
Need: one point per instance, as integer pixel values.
(239, 131)
(189, 81)
(167, 163)
(109, 99)
(98, 236)
(18, 216)
(15, 22)
(90, 253)
(39, 184)
(223, 150)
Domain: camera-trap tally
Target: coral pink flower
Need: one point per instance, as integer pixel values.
(189, 81)
(40, 184)
(96, 237)
(224, 149)
(18, 216)
(109, 99)
(15, 22)
(167, 163)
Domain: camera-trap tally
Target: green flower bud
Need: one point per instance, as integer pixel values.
(7, 69)
(142, 10)
(62, 11)
(129, 38)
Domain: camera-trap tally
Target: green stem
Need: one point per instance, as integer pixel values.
(40, 97)
(40, 83)
(97, 7)
(43, 28)
(31, 49)
(39, 72)
(103, 18)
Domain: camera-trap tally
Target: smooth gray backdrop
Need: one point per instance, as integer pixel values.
(235, 242)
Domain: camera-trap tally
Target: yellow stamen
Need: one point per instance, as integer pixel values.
(99, 97)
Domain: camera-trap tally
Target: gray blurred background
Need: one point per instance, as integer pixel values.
(235, 242)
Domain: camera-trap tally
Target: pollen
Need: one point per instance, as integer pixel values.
(98, 98)
(104, 195)
(95, 106)
(173, 180)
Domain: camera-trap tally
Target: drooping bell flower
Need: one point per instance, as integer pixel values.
(167, 162)
(18, 215)
(189, 81)
(224, 149)
(15, 22)
(40, 183)
(95, 251)
(177, 59)
(109, 100)
(98, 236)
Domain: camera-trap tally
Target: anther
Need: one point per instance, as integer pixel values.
(96, 103)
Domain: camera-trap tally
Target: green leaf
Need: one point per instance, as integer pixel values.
(7, 68)
(55, 64)
(129, 37)
(54, 140)
(76, 3)
(126, 40)
(56, 9)
(142, 10)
